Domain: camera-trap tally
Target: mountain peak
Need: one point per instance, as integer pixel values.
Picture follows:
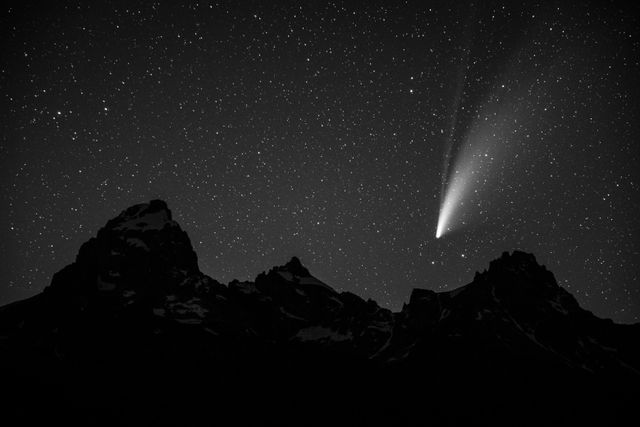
(519, 271)
(141, 248)
(154, 215)
(295, 267)
(518, 259)
(293, 272)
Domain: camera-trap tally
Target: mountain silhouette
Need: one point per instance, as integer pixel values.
(133, 333)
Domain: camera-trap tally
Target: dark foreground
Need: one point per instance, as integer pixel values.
(133, 333)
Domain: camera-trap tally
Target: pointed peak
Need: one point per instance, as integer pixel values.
(294, 272)
(295, 267)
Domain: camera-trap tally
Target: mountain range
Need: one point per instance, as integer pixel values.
(133, 333)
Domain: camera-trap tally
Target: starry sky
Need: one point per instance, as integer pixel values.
(326, 130)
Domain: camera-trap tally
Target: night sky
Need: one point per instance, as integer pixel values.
(330, 131)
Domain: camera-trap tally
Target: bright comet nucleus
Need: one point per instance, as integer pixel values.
(454, 196)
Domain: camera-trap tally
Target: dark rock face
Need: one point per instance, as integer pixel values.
(132, 333)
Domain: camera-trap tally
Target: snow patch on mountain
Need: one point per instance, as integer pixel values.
(320, 333)
(138, 243)
(103, 285)
(315, 282)
(150, 221)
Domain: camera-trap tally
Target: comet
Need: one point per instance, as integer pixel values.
(487, 125)
(454, 198)
(488, 128)
(473, 165)
(455, 194)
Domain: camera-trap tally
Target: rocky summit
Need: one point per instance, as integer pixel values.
(132, 333)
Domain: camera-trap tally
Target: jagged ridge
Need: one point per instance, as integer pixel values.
(136, 286)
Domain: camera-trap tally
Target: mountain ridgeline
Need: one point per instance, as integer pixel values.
(132, 333)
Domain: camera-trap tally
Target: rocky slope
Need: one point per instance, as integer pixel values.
(133, 333)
